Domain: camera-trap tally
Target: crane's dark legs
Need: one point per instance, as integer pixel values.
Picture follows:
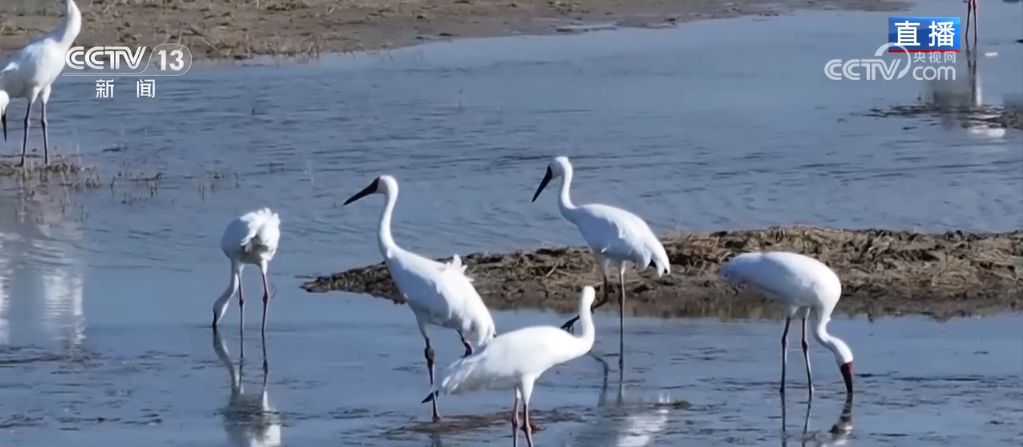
(24, 141)
(784, 352)
(468, 347)
(266, 300)
(428, 352)
(971, 13)
(46, 136)
(806, 357)
(266, 368)
(976, 26)
(528, 426)
(973, 4)
(621, 321)
(515, 421)
(241, 307)
(568, 324)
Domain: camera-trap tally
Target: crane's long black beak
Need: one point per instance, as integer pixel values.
(543, 183)
(372, 188)
(3, 119)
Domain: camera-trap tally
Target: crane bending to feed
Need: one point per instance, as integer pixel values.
(804, 286)
(516, 359)
(249, 239)
(438, 294)
(614, 235)
(30, 73)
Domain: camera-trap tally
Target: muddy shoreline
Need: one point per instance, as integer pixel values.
(225, 30)
(991, 117)
(883, 273)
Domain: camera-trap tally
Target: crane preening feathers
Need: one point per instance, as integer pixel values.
(439, 294)
(249, 239)
(516, 359)
(615, 236)
(30, 73)
(804, 286)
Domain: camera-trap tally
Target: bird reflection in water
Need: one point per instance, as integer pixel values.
(962, 100)
(840, 431)
(5, 328)
(41, 273)
(249, 420)
(616, 425)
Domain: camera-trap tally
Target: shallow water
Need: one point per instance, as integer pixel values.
(106, 293)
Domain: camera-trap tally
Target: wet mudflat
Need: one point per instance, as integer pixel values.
(107, 288)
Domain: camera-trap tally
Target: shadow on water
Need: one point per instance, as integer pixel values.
(249, 420)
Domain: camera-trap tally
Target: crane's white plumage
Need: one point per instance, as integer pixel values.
(249, 239)
(439, 294)
(615, 236)
(516, 359)
(30, 72)
(804, 286)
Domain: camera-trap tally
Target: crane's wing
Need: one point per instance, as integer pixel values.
(765, 273)
(612, 230)
(501, 362)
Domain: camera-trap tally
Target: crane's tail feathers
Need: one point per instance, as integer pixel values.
(456, 262)
(463, 375)
(430, 397)
(455, 265)
(269, 215)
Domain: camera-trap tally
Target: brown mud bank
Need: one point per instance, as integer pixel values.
(883, 273)
(240, 29)
(992, 117)
(58, 165)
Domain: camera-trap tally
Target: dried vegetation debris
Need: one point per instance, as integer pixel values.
(883, 273)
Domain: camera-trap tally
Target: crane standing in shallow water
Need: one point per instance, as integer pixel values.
(804, 286)
(30, 73)
(438, 294)
(249, 239)
(614, 235)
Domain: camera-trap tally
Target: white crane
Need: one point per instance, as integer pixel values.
(515, 360)
(804, 286)
(438, 294)
(30, 73)
(249, 239)
(249, 420)
(614, 235)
